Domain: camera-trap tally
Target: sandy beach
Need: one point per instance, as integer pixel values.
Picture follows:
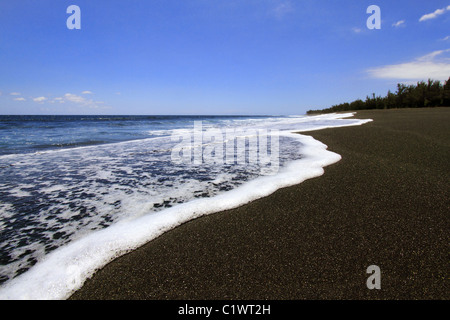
(385, 203)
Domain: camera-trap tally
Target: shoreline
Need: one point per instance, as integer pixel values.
(315, 240)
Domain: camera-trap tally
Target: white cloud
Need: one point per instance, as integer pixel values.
(20, 99)
(15, 93)
(357, 30)
(435, 65)
(432, 55)
(434, 14)
(282, 9)
(40, 99)
(398, 23)
(59, 99)
(445, 38)
(73, 98)
(87, 92)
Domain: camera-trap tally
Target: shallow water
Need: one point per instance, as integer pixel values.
(55, 199)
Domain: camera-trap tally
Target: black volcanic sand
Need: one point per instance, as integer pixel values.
(385, 203)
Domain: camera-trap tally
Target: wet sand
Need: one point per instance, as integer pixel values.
(385, 203)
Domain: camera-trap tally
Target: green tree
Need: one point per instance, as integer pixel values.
(423, 94)
(446, 93)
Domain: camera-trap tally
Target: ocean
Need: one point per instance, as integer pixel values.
(79, 191)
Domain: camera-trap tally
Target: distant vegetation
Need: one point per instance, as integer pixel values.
(421, 95)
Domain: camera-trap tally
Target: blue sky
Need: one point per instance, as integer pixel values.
(213, 56)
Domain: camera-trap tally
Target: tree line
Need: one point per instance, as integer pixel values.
(421, 95)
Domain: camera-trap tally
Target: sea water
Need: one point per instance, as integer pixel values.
(79, 191)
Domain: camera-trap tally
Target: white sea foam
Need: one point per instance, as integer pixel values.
(58, 274)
